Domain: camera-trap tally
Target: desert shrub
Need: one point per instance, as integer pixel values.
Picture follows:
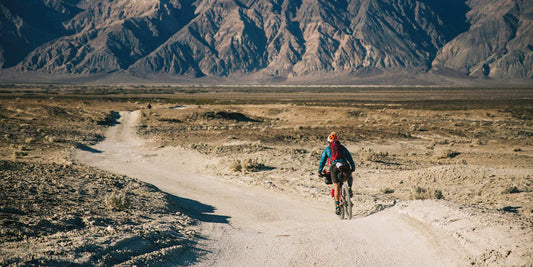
(118, 201)
(252, 165)
(440, 141)
(423, 193)
(478, 142)
(419, 193)
(19, 154)
(50, 139)
(438, 194)
(370, 155)
(211, 115)
(521, 113)
(511, 190)
(248, 165)
(449, 154)
(236, 166)
(387, 190)
(109, 119)
(355, 113)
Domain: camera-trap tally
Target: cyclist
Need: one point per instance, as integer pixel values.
(338, 157)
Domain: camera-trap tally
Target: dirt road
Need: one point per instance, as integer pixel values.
(242, 225)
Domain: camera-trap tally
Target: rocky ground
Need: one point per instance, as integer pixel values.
(480, 156)
(68, 214)
(56, 212)
(472, 154)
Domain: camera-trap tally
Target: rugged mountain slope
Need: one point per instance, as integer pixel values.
(109, 35)
(499, 43)
(25, 25)
(296, 38)
(275, 38)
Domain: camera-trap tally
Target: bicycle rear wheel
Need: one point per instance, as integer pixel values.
(347, 207)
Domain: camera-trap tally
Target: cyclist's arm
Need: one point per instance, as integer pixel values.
(323, 160)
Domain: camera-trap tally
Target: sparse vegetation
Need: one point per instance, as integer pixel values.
(387, 190)
(511, 190)
(247, 165)
(371, 155)
(449, 154)
(118, 201)
(421, 193)
(455, 147)
(236, 166)
(40, 202)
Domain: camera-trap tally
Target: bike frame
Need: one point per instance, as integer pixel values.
(345, 202)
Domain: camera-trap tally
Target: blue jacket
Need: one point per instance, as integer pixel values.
(327, 154)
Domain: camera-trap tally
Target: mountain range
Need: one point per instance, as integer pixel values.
(276, 40)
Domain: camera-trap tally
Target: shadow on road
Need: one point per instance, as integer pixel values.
(87, 148)
(201, 212)
(198, 210)
(111, 119)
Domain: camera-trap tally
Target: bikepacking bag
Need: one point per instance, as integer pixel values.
(336, 150)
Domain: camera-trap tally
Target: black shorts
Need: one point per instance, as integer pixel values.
(336, 174)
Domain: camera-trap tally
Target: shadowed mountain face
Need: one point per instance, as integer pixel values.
(274, 38)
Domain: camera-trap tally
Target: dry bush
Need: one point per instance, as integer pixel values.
(118, 201)
(355, 113)
(478, 142)
(387, 190)
(423, 193)
(449, 154)
(19, 154)
(50, 139)
(248, 165)
(109, 119)
(236, 166)
(511, 190)
(440, 141)
(370, 155)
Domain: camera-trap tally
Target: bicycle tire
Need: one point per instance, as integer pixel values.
(341, 205)
(348, 205)
(342, 212)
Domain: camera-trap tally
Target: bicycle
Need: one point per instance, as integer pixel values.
(345, 201)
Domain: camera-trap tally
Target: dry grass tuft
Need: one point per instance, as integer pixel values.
(423, 193)
(118, 201)
(387, 190)
(449, 154)
(511, 190)
(370, 155)
(248, 165)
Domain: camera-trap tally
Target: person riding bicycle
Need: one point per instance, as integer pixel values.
(338, 157)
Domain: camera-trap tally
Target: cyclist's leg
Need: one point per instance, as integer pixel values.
(335, 179)
(336, 190)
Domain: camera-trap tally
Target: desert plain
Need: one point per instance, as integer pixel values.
(454, 162)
